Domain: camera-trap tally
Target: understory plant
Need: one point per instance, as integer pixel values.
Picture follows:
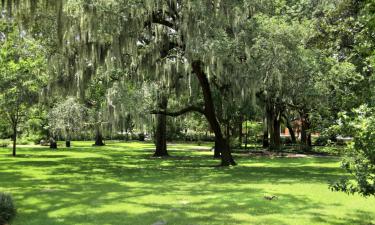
(359, 160)
(7, 209)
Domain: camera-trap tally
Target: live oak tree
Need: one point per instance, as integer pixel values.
(226, 49)
(278, 50)
(22, 75)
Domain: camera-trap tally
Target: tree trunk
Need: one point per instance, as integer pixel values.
(14, 140)
(240, 133)
(265, 141)
(161, 130)
(52, 143)
(273, 120)
(305, 133)
(210, 114)
(217, 154)
(98, 138)
(291, 131)
(67, 140)
(276, 134)
(246, 135)
(309, 141)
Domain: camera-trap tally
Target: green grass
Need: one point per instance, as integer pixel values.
(121, 184)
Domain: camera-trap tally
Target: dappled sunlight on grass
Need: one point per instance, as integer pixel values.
(121, 183)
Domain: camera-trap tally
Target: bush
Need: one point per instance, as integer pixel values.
(286, 140)
(322, 140)
(23, 141)
(360, 156)
(34, 138)
(7, 209)
(141, 137)
(4, 143)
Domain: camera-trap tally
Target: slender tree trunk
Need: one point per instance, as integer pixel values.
(246, 135)
(227, 130)
(265, 141)
(161, 130)
(67, 141)
(210, 113)
(240, 132)
(271, 130)
(98, 138)
(276, 133)
(309, 141)
(14, 139)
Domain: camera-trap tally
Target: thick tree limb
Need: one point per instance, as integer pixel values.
(180, 112)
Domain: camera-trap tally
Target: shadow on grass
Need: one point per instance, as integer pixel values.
(126, 186)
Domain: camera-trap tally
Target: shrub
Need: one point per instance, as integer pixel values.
(4, 143)
(360, 156)
(7, 209)
(35, 138)
(23, 141)
(141, 137)
(286, 140)
(322, 140)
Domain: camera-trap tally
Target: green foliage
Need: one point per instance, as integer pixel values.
(22, 74)
(7, 209)
(360, 157)
(254, 130)
(4, 143)
(67, 118)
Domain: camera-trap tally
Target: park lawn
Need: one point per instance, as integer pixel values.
(121, 184)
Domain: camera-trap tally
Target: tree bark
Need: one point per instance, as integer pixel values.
(98, 138)
(305, 133)
(67, 141)
(246, 134)
(265, 141)
(14, 140)
(210, 114)
(53, 143)
(217, 153)
(276, 134)
(273, 121)
(240, 132)
(161, 130)
(291, 131)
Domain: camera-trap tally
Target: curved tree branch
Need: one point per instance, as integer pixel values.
(180, 112)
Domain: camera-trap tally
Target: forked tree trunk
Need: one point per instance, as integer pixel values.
(161, 130)
(291, 131)
(210, 114)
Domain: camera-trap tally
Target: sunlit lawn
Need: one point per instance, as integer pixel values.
(121, 184)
